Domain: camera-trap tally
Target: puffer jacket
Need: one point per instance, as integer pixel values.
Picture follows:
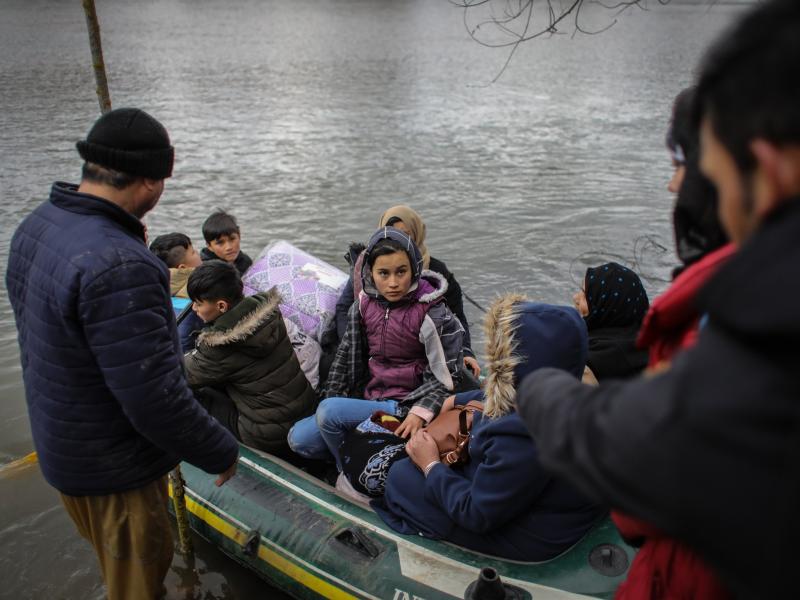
(453, 296)
(247, 352)
(109, 406)
(440, 334)
(397, 355)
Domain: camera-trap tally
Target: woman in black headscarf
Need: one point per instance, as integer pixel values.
(613, 302)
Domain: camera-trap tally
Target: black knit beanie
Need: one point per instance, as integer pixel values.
(130, 141)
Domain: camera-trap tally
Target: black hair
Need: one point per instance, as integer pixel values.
(695, 222)
(219, 223)
(103, 175)
(748, 85)
(385, 247)
(171, 248)
(215, 280)
(683, 132)
(393, 221)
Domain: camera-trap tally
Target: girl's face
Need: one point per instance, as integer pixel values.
(392, 275)
(579, 300)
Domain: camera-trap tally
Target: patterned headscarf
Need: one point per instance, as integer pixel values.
(415, 226)
(615, 296)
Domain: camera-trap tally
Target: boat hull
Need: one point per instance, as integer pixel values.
(309, 541)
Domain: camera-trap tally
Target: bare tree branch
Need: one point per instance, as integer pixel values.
(509, 23)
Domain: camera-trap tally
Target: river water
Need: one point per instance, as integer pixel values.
(306, 119)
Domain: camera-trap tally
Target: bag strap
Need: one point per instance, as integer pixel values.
(462, 422)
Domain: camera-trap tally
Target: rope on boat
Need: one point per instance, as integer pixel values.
(15, 466)
(475, 304)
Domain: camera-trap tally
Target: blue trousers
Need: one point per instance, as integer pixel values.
(320, 435)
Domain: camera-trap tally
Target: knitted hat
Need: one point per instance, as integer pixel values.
(130, 141)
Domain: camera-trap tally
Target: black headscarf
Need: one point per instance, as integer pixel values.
(615, 296)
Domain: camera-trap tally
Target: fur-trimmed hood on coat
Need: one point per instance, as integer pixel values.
(523, 336)
(243, 321)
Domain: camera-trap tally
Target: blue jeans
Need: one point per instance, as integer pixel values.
(320, 435)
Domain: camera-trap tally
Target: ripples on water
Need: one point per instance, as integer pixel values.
(307, 119)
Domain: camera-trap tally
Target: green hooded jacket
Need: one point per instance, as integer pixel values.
(247, 352)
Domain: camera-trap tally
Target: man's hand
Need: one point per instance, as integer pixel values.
(409, 426)
(472, 364)
(422, 449)
(230, 472)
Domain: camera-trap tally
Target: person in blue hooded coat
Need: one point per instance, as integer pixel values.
(502, 502)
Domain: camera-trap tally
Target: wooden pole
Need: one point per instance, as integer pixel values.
(97, 56)
(181, 516)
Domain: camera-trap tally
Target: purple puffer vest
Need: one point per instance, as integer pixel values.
(397, 358)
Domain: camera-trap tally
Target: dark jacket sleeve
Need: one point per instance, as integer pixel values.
(129, 328)
(444, 344)
(601, 438)
(188, 329)
(505, 485)
(205, 369)
(343, 305)
(690, 451)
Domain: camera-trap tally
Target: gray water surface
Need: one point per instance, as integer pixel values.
(306, 119)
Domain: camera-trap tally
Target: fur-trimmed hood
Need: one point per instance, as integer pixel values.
(243, 321)
(523, 336)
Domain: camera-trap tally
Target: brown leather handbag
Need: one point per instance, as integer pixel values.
(451, 433)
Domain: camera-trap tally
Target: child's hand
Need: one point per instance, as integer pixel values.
(422, 449)
(409, 426)
(472, 364)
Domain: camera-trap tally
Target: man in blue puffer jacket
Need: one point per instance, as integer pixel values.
(109, 406)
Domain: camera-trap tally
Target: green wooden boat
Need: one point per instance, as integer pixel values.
(310, 541)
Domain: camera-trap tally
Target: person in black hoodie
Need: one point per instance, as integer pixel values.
(613, 302)
(709, 451)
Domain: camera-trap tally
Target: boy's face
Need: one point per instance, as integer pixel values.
(191, 259)
(209, 310)
(226, 247)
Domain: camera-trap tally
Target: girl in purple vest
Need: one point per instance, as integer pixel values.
(400, 353)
